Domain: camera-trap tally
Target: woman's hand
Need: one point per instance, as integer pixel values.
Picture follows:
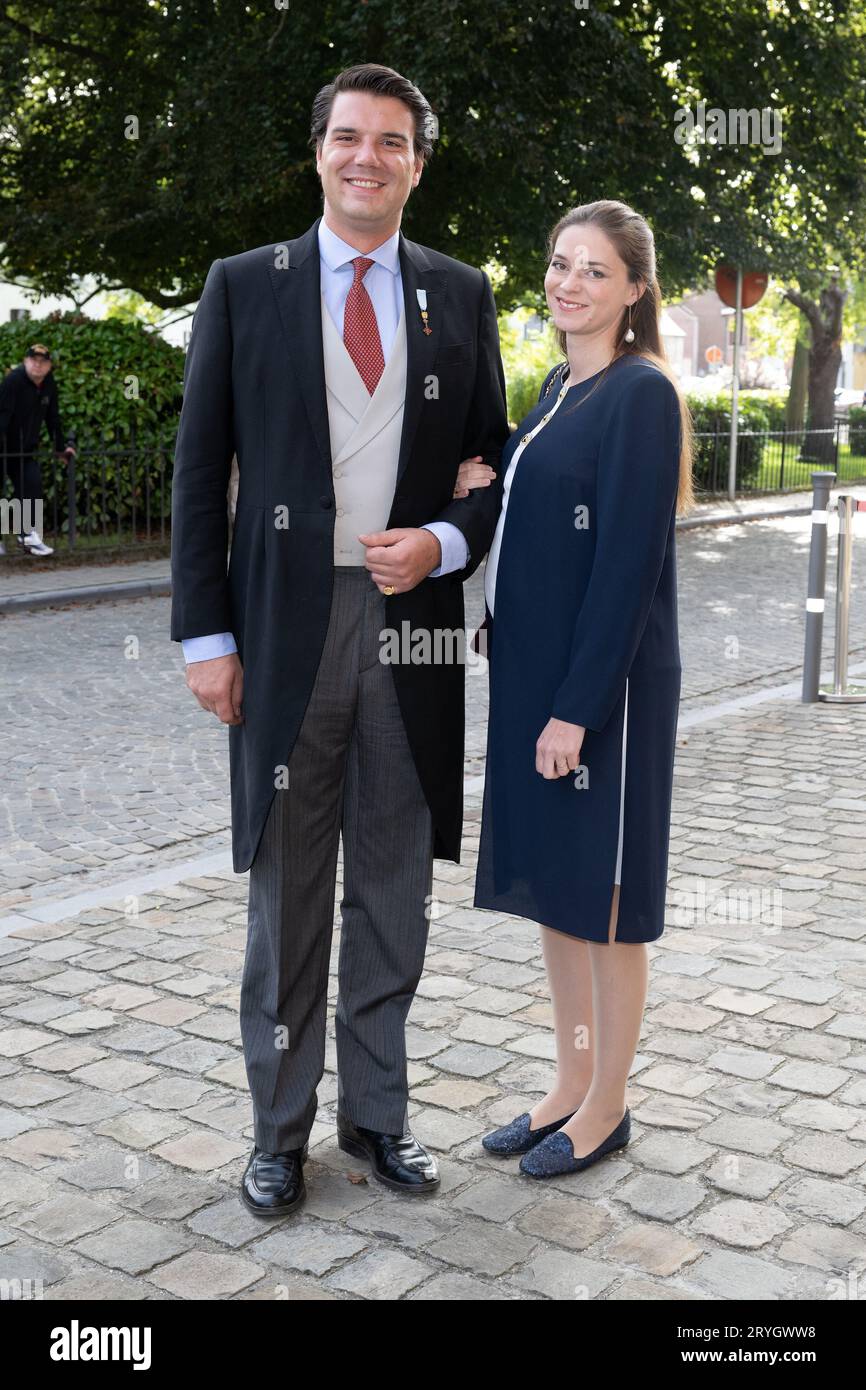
(473, 473)
(557, 749)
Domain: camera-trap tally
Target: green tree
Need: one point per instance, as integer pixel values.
(140, 141)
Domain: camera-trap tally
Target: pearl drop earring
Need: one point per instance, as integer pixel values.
(629, 337)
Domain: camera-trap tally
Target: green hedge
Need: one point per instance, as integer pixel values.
(774, 405)
(857, 429)
(120, 389)
(711, 416)
(523, 389)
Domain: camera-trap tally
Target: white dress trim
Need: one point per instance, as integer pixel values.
(618, 875)
(493, 555)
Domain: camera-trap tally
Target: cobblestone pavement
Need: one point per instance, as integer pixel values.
(125, 1120)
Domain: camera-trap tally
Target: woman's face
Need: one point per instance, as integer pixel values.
(587, 284)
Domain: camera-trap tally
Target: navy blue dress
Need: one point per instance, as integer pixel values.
(584, 629)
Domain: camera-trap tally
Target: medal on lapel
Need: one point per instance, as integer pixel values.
(422, 305)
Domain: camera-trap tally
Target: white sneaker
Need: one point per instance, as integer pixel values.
(35, 544)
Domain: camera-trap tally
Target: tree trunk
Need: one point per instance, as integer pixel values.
(795, 412)
(825, 357)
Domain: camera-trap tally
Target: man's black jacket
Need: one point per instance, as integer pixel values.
(24, 407)
(255, 386)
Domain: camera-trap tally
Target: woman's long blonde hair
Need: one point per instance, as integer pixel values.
(633, 241)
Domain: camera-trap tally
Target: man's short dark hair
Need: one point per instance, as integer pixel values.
(383, 82)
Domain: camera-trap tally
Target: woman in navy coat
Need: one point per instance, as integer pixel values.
(580, 587)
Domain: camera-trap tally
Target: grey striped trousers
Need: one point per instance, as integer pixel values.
(351, 772)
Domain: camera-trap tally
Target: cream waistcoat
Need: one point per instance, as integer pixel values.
(365, 439)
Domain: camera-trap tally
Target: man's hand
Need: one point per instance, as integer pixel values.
(401, 557)
(66, 454)
(218, 685)
(557, 749)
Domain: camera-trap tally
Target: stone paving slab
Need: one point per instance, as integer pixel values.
(22, 579)
(125, 1123)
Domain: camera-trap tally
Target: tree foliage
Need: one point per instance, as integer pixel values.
(540, 107)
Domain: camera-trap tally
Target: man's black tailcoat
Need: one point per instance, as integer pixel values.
(254, 385)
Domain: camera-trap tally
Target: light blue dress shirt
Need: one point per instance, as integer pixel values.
(384, 284)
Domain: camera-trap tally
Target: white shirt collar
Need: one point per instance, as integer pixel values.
(335, 252)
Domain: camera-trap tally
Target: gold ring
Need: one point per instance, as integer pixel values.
(389, 589)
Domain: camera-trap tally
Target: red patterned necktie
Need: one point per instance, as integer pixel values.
(360, 329)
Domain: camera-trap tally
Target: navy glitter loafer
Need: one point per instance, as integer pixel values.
(517, 1137)
(556, 1154)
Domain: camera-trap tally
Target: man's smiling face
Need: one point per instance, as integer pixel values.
(367, 163)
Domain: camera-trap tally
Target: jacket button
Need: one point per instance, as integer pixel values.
(326, 502)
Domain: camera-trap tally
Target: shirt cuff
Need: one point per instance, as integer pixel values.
(455, 551)
(206, 648)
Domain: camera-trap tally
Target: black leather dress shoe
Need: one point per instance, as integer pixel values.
(397, 1160)
(273, 1184)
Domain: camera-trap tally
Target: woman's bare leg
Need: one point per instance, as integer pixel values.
(619, 987)
(570, 980)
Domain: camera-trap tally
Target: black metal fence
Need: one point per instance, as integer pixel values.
(778, 460)
(113, 492)
(117, 492)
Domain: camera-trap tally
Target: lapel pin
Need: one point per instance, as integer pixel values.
(422, 304)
